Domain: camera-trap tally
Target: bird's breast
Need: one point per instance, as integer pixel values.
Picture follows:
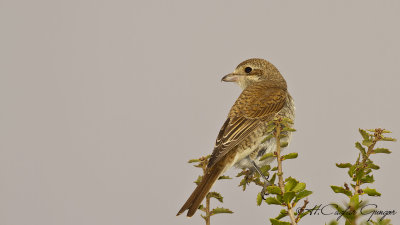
(254, 146)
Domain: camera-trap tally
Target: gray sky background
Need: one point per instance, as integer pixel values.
(103, 102)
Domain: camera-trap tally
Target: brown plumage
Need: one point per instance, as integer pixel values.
(239, 140)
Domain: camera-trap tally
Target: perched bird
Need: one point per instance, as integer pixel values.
(239, 142)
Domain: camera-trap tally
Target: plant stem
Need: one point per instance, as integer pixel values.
(208, 216)
(278, 157)
(377, 137)
(280, 173)
(302, 210)
(207, 208)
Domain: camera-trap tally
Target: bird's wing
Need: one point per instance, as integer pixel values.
(257, 104)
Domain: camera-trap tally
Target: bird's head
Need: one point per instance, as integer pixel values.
(255, 70)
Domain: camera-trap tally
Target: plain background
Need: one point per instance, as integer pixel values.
(103, 102)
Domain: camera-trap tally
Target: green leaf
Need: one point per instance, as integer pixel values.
(274, 190)
(267, 138)
(199, 178)
(273, 201)
(371, 192)
(302, 194)
(201, 207)
(388, 139)
(333, 222)
(259, 199)
(278, 222)
(367, 143)
(268, 155)
(282, 214)
(272, 180)
(337, 189)
(290, 183)
(288, 196)
(216, 195)
(265, 169)
(220, 210)
(270, 127)
(354, 201)
(359, 174)
(382, 150)
(280, 198)
(223, 177)
(386, 131)
(274, 169)
(381, 222)
(287, 121)
(361, 148)
(284, 144)
(367, 179)
(194, 160)
(299, 187)
(243, 183)
(292, 155)
(364, 134)
(241, 173)
(351, 170)
(343, 165)
(288, 129)
(373, 166)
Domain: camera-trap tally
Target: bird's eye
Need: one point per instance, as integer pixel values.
(248, 69)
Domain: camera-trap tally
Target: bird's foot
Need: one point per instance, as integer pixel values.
(264, 191)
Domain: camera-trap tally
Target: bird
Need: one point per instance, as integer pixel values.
(240, 140)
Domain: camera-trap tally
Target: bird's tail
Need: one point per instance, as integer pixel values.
(201, 190)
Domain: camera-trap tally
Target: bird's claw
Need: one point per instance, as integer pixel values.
(264, 191)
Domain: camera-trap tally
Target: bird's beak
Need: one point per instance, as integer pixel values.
(231, 77)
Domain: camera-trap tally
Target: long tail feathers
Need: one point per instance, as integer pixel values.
(201, 191)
